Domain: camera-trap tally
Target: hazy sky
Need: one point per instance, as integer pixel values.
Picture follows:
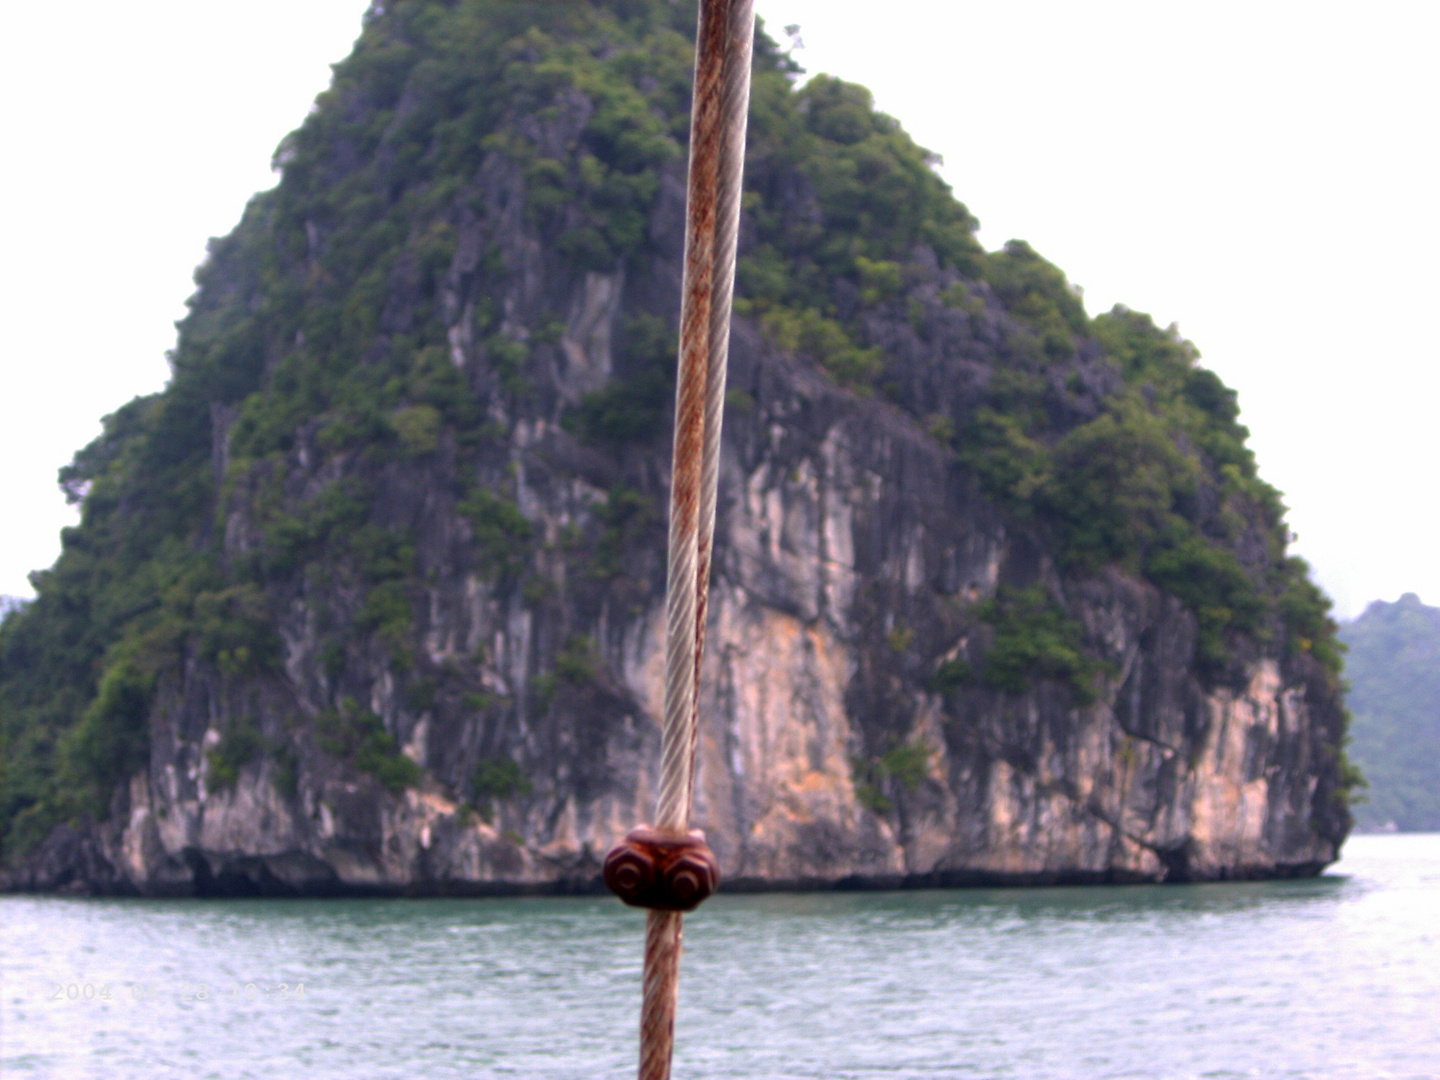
(1262, 174)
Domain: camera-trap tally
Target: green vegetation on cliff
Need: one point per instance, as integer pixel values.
(321, 340)
(1393, 668)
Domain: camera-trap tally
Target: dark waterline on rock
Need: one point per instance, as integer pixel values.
(1335, 976)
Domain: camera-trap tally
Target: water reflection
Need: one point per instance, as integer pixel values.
(1329, 977)
(1088, 902)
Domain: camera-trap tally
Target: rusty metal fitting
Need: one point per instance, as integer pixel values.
(660, 870)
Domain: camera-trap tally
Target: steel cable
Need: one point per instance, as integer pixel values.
(724, 41)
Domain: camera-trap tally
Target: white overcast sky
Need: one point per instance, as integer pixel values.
(1263, 174)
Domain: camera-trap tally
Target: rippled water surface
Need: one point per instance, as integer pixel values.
(1334, 977)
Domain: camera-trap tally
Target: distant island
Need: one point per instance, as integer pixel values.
(1393, 667)
(370, 597)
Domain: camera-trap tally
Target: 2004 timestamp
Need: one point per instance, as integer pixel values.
(148, 993)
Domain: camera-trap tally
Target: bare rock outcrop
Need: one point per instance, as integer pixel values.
(431, 453)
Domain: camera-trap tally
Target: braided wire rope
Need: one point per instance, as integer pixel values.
(723, 44)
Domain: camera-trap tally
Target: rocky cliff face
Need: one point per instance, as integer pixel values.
(434, 649)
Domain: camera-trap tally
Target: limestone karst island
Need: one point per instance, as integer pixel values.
(370, 598)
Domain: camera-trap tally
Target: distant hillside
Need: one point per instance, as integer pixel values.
(1394, 673)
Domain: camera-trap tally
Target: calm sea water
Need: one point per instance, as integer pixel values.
(1334, 977)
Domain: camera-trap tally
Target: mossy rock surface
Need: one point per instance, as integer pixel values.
(436, 361)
